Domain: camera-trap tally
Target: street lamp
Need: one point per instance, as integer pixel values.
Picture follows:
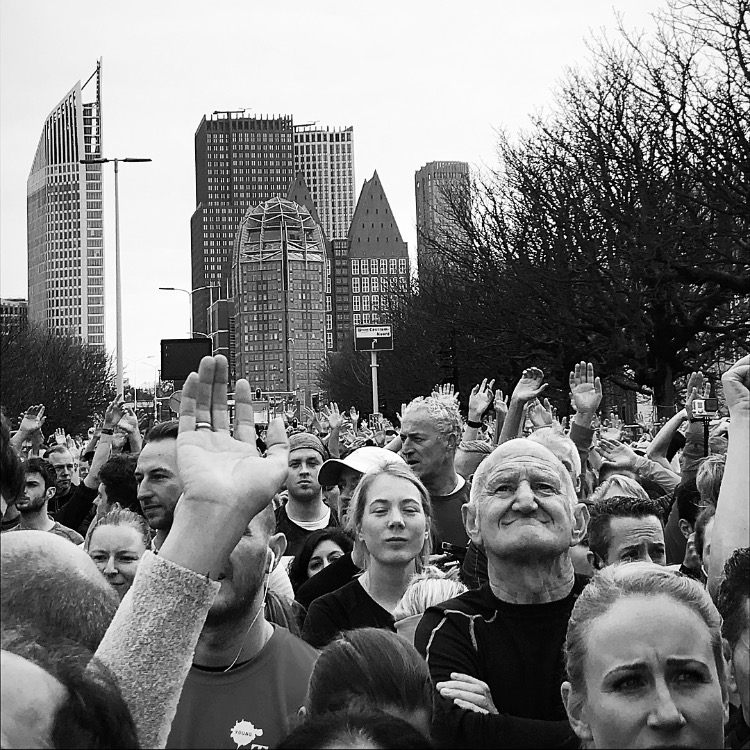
(118, 282)
(135, 379)
(190, 295)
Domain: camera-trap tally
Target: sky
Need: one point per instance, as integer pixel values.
(420, 81)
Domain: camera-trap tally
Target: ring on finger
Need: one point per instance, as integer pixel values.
(203, 426)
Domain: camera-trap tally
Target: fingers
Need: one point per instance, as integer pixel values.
(277, 445)
(204, 389)
(219, 407)
(469, 706)
(40, 413)
(244, 415)
(188, 403)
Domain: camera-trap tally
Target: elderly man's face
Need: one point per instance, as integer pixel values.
(524, 509)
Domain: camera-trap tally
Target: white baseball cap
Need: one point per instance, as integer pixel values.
(361, 460)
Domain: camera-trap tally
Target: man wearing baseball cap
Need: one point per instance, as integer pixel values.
(346, 473)
(305, 511)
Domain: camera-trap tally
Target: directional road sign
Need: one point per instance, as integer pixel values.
(373, 338)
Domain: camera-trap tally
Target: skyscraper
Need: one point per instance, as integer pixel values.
(325, 157)
(240, 162)
(277, 283)
(65, 233)
(434, 224)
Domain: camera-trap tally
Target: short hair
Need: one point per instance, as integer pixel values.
(444, 413)
(359, 499)
(476, 446)
(118, 476)
(51, 597)
(355, 728)
(121, 517)
(704, 518)
(688, 501)
(426, 589)
(94, 713)
(479, 482)
(624, 486)
(162, 431)
(56, 449)
(298, 566)
(618, 582)
(709, 476)
(607, 469)
(619, 506)
(44, 468)
(559, 444)
(12, 473)
(369, 667)
(732, 596)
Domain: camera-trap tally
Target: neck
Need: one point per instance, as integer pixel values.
(386, 584)
(160, 537)
(37, 520)
(222, 643)
(443, 483)
(531, 581)
(307, 510)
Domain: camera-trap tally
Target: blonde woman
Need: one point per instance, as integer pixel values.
(391, 517)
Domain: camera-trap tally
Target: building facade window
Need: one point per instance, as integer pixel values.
(356, 304)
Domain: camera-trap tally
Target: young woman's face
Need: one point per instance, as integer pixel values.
(394, 525)
(117, 551)
(647, 684)
(323, 555)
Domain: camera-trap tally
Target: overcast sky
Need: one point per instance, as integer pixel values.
(420, 80)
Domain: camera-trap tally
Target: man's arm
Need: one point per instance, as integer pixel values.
(31, 425)
(529, 386)
(732, 520)
(693, 451)
(446, 644)
(622, 455)
(658, 447)
(480, 399)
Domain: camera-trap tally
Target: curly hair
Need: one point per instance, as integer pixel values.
(444, 413)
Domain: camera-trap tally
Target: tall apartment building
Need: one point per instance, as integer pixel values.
(277, 285)
(325, 158)
(433, 220)
(240, 162)
(376, 263)
(65, 233)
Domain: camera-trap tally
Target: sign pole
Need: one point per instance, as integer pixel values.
(374, 366)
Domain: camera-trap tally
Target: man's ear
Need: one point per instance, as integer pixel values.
(277, 545)
(50, 492)
(685, 528)
(574, 706)
(580, 523)
(470, 516)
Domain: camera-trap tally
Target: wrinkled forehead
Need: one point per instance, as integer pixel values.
(519, 455)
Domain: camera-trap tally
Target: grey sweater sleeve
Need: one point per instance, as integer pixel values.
(150, 643)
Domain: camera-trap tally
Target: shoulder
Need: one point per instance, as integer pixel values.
(462, 609)
(64, 531)
(343, 597)
(294, 648)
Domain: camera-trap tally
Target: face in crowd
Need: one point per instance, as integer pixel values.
(633, 539)
(302, 479)
(117, 551)
(323, 555)
(393, 525)
(35, 494)
(348, 481)
(425, 449)
(523, 504)
(159, 484)
(64, 467)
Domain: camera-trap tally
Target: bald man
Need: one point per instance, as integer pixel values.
(51, 588)
(505, 638)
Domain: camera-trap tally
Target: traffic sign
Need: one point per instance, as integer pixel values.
(373, 338)
(174, 401)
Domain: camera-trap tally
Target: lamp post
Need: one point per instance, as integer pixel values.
(135, 363)
(190, 295)
(118, 279)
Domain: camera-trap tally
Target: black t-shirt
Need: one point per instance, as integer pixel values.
(517, 650)
(447, 523)
(337, 574)
(73, 507)
(296, 535)
(346, 608)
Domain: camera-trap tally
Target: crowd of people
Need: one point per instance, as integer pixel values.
(495, 579)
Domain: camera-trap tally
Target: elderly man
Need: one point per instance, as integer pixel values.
(494, 653)
(430, 433)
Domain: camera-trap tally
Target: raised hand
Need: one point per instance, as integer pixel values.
(129, 421)
(617, 453)
(333, 415)
(444, 391)
(468, 692)
(540, 414)
(585, 389)
(480, 399)
(32, 419)
(694, 391)
(501, 403)
(736, 384)
(223, 474)
(60, 436)
(115, 412)
(529, 386)
(354, 414)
